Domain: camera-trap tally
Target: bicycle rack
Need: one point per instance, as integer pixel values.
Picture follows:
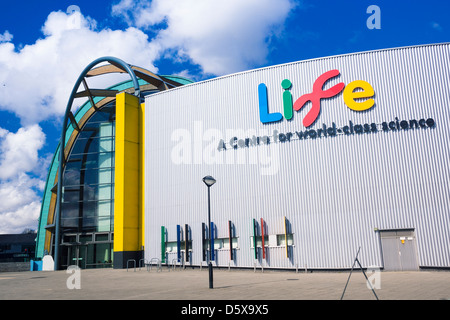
(140, 265)
(174, 264)
(158, 264)
(134, 261)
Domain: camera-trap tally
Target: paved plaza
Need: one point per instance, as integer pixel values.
(192, 284)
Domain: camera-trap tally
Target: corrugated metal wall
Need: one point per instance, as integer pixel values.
(334, 191)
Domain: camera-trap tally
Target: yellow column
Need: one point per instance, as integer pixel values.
(128, 217)
(141, 176)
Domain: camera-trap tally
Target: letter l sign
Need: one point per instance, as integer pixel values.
(264, 114)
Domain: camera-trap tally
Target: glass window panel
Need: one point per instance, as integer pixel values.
(72, 172)
(88, 188)
(103, 224)
(90, 255)
(106, 144)
(71, 177)
(171, 247)
(103, 254)
(105, 129)
(96, 192)
(69, 228)
(80, 144)
(218, 243)
(282, 239)
(86, 133)
(89, 224)
(105, 160)
(259, 241)
(93, 145)
(70, 222)
(70, 209)
(85, 238)
(104, 115)
(89, 209)
(89, 193)
(97, 160)
(104, 192)
(105, 175)
(91, 129)
(71, 194)
(90, 161)
(102, 237)
(89, 176)
(97, 176)
(70, 238)
(104, 208)
(84, 146)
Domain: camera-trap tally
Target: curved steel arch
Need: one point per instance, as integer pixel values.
(69, 116)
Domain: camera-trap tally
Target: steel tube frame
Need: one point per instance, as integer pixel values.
(137, 92)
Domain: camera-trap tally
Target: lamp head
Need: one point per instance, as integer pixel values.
(209, 181)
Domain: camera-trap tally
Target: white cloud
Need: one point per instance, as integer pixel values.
(436, 26)
(24, 217)
(19, 151)
(6, 37)
(36, 81)
(222, 36)
(19, 188)
(19, 204)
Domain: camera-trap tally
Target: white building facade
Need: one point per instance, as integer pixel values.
(313, 160)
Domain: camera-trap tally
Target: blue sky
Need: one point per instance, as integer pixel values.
(43, 49)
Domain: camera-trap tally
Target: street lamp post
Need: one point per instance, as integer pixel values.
(209, 181)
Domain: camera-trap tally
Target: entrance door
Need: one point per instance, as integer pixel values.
(399, 250)
(77, 256)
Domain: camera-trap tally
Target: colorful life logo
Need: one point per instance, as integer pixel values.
(358, 100)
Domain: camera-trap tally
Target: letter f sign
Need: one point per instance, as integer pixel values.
(316, 95)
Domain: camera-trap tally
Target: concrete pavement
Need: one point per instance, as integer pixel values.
(192, 284)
